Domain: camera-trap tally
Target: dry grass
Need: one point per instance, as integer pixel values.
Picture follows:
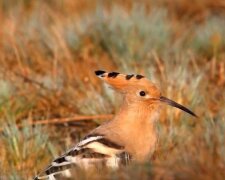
(49, 50)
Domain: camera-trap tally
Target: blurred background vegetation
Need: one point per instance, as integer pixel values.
(49, 50)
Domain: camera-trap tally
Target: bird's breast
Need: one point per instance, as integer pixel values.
(142, 145)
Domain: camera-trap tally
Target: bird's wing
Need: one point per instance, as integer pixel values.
(93, 149)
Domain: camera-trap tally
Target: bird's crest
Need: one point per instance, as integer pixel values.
(128, 83)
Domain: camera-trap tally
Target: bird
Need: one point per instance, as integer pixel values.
(130, 136)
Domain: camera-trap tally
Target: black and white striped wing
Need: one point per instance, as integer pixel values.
(91, 151)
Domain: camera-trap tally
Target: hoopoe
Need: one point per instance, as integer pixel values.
(130, 135)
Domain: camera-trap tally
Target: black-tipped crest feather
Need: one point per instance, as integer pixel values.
(129, 76)
(113, 74)
(138, 76)
(99, 72)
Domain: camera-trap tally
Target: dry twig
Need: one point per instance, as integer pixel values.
(65, 120)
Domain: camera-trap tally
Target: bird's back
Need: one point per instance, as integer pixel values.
(100, 148)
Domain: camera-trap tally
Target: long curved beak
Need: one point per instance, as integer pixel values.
(174, 104)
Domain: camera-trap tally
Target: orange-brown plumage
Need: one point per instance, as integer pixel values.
(131, 132)
(134, 124)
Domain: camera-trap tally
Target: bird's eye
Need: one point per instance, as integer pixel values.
(142, 93)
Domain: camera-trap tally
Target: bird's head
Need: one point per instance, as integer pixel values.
(137, 89)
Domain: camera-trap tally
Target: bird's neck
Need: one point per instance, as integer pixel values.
(137, 114)
(138, 125)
